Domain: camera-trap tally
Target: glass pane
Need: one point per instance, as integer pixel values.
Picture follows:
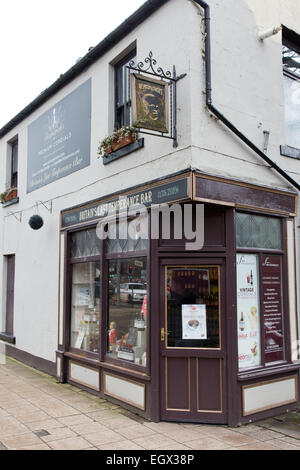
(127, 310)
(254, 231)
(123, 105)
(85, 311)
(292, 110)
(248, 311)
(193, 313)
(291, 60)
(130, 236)
(84, 244)
(272, 308)
(14, 157)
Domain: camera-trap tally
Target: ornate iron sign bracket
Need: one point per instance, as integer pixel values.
(149, 67)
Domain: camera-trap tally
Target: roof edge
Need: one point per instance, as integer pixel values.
(98, 51)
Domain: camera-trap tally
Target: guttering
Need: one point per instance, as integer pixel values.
(218, 114)
(98, 51)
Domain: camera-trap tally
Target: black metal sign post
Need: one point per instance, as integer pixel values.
(149, 67)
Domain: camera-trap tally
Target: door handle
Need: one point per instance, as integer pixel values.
(162, 334)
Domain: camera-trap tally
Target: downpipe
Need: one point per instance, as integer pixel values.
(218, 114)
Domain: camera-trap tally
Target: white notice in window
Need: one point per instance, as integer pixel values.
(194, 322)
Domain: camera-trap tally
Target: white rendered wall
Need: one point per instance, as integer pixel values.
(247, 87)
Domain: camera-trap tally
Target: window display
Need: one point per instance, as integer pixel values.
(248, 312)
(127, 310)
(85, 306)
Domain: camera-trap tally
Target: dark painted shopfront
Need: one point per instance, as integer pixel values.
(200, 335)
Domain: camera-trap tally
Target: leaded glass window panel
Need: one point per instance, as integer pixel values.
(85, 243)
(128, 236)
(254, 231)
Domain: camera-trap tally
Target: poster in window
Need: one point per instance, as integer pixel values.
(150, 104)
(272, 308)
(248, 324)
(194, 322)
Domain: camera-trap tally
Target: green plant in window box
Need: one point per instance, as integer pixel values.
(118, 139)
(8, 195)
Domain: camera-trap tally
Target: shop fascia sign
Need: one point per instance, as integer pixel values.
(165, 193)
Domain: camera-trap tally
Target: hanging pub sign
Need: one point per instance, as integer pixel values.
(150, 103)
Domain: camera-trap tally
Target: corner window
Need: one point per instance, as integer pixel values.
(122, 92)
(260, 313)
(291, 81)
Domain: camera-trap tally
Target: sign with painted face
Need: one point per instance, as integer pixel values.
(150, 104)
(59, 140)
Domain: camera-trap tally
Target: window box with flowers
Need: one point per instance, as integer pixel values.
(11, 194)
(119, 143)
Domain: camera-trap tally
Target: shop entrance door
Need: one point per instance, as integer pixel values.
(192, 342)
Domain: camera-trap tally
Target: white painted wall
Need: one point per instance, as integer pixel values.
(247, 87)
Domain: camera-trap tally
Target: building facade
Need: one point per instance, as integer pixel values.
(188, 323)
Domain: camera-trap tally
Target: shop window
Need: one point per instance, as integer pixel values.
(254, 231)
(127, 310)
(291, 80)
(85, 311)
(260, 316)
(122, 92)
(85, 290)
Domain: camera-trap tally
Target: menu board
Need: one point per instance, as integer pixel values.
(249, 347)
(272, 308)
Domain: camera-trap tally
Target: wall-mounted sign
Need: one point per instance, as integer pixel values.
(59, 140)
(168, 192)
(150, 103)
(272, 308)
(249, 348)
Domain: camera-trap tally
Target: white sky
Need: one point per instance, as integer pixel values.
(40, 40)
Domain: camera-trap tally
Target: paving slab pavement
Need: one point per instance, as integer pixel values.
(37, 413)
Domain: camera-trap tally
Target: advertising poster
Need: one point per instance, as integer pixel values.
(194, 322)
(59, 140)
(249, 348)
(272, 308)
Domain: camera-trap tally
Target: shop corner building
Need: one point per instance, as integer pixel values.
(204, 335)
